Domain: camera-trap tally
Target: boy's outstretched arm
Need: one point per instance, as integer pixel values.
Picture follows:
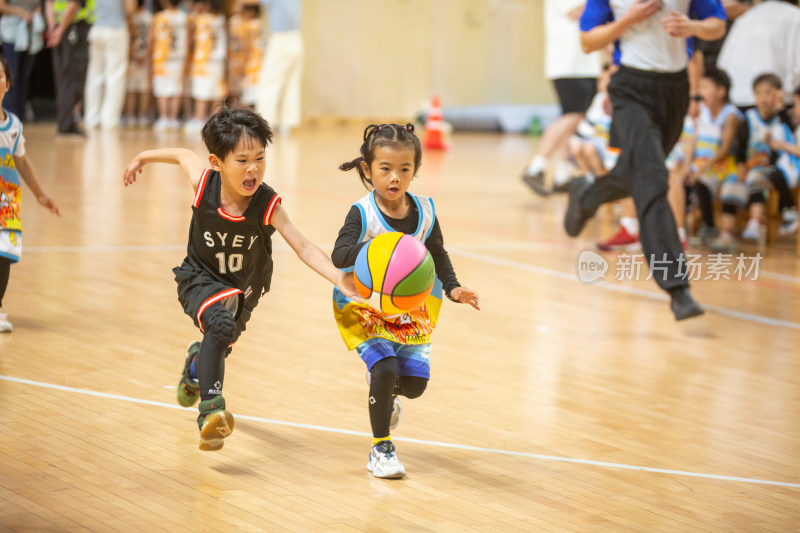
(311, 254)
(25, 170)
(190, 163)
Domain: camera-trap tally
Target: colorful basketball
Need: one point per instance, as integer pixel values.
(394, 273)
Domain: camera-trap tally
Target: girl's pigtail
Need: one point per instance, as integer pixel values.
(356, 164)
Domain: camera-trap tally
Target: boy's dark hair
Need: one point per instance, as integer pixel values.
(389, 135)
(719, 78)
(170, 3)
(223, 131)
(6, 69)
(797, 92)
(769, 78)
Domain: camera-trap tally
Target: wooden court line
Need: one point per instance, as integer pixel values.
(465, 447)
(459, 250)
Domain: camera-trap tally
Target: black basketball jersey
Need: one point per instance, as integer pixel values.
(234, 250)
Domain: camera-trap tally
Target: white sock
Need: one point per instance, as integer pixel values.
(682, 234)
(631, 225)
(563, 173)
(538, 164)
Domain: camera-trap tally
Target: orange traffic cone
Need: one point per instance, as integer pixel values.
(434, 127)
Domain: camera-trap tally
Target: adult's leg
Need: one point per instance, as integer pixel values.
(274, 71)
(96, 81)
(70, 60)
(116, 67)
(291, 101)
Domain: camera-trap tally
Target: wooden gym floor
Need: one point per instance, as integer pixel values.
(561, 406)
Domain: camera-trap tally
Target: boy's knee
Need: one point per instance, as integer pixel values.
(219, 325)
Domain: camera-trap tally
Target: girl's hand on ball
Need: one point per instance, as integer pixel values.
(465, 295)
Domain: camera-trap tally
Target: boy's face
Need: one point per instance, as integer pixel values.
(768, 99)
(713, 95)
(242, 169)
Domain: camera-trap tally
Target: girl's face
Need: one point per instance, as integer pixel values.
(242, 169)
(391, 172)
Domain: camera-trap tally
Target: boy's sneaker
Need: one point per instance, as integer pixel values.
(189, 388)
(397, 407)
(622, 241)
(215, 424)
(383, 461)
(723, 244)
(5, 325)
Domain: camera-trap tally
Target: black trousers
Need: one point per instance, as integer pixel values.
(70, 62)
(648, 113)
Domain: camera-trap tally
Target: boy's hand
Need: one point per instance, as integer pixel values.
(134, 168)
(49, 204)
(347, 285)
(465, 295)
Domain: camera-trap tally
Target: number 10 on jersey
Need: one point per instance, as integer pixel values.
(233, 264)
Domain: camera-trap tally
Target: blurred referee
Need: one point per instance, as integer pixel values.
(650, 97)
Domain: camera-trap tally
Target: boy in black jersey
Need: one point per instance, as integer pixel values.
(229, 256)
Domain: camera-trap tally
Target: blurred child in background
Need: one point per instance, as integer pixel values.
(137, 97)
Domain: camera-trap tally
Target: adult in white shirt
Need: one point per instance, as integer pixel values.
(574, 75)
(766, 39)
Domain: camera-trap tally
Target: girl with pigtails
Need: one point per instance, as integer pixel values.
(395, 349)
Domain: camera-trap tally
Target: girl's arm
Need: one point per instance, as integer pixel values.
(25, 170)
(190, 163)
(348, 244)
(310, 254)
(445, 271)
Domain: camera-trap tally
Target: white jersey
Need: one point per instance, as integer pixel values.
(373, 223)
